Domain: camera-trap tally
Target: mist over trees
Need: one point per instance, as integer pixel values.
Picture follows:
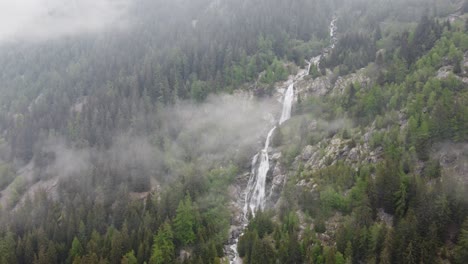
(122, 136)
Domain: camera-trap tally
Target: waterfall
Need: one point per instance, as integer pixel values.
(316, 61)
(255, 191)
(287, 104)
(333, 29)
(309, 65)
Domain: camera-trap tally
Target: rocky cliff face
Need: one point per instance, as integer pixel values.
(330, 83)
(326, 153)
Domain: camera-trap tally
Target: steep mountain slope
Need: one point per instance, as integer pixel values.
(134, 144)
(375, 168)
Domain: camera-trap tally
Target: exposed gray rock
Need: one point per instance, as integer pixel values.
(384, 217)
(234, 232)
(367, 136)
(184, 255)
(444, 72)
(276, 156)
(320, 86)
(330, 151)
(310, 185)
(345, 81)
(354, 154)
(330, 83)
(308, 152)
(453, 158)
(277, 182)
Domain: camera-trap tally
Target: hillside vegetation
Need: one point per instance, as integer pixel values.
(132, 145)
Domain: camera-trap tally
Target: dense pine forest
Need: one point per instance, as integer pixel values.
(133, 144)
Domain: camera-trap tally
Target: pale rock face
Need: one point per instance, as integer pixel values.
(184, 255)
(307, 184)
(336, 149)
(317, 87)
(354, 154)
(276, 188)
(276, 156)
(344, 82)
(465, 59)
(367, 136)
(323, 85)
(444, 72)
(453, 158)
(384, 217)
(307, 152)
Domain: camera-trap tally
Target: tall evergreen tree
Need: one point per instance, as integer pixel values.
(163, 246)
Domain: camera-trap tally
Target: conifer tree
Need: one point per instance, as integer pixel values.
(184, 222)
(163, 246)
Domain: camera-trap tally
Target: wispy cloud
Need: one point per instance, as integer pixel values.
(26, 20)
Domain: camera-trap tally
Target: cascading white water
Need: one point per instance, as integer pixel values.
(287, 104)
(333, 29)
(315, 61)
(256, 187)
(309, 65)
(255, 198)
(255, 192)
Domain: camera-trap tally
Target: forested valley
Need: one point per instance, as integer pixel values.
(133, 142)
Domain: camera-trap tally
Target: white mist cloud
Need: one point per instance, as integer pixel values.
(23, 20)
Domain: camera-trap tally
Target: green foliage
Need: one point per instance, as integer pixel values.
(331, 199)
(76, 249)
(432, 170)
(352, 52)
(387, 185)
(461, 250)
(6, 175)
(163, 247)
(7, 249)
(184, 222)
(262, 224)
(314, 72)
(79, 90)
(289, 154)
(262, 252)
(320, 226)
(129, 258)
(274, 73)
(199, 91)
(401, 196)
(339, 258)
